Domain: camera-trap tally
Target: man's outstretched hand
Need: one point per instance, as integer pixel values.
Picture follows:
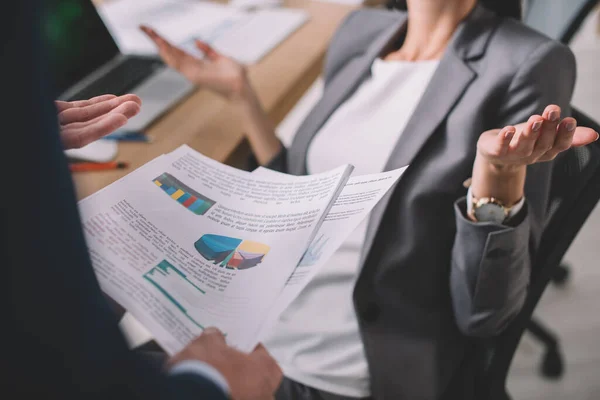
(84, 121)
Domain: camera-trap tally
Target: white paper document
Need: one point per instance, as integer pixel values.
(246, 35)
(352, 206)
(185, 242)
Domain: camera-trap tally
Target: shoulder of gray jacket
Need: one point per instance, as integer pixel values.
(355, 34)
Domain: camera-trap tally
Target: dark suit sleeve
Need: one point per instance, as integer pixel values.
(61, 338)
(491, 264)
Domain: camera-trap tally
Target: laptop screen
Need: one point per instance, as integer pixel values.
(77, 39)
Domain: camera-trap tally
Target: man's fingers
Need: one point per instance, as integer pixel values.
(131, 97)
(524, 141)
(74, 138)
(211, 330)
(129, 109)
(93, 100)
(266, 361)
(89, 112)
(213, 334)
(261, 351)
(104, 97)
(64, 105)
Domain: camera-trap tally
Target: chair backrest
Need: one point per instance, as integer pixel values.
(575, 191)
(558, 19)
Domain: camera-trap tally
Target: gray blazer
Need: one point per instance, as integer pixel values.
(432, 283)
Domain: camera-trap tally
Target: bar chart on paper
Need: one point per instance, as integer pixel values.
(184, 195)
(175, 286)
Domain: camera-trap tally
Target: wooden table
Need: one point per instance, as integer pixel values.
(208, 123)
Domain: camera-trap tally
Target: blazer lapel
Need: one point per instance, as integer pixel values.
(447, 85)
(337, 91)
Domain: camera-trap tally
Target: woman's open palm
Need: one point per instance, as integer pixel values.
(540, 139)
(217, 72)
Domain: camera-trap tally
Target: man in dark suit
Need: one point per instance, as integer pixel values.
(60, 336)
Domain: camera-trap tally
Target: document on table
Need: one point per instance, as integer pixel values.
(245, 35)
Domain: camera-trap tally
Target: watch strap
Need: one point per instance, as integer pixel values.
(514, 210)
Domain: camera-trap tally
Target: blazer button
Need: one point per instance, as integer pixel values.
(370, 312)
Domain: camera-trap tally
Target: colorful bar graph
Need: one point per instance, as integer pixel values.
(184, 195)
(183, 198)
(190, 201)
(178, 193)
(203, 208)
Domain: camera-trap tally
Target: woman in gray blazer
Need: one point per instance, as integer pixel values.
(403, 308)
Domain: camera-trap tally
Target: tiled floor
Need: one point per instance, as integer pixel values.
(572, 311)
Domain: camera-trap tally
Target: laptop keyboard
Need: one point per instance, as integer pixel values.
(124, 77)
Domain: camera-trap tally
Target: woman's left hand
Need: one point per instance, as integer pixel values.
(541, 138)
(503, 154)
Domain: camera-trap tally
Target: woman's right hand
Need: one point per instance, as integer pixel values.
(225, 76)
(217, 72)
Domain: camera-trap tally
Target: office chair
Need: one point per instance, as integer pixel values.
(560, 20)
(575, 191)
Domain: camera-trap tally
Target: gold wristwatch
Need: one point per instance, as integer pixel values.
(486, 209)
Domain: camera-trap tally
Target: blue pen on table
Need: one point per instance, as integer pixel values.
(128, 136)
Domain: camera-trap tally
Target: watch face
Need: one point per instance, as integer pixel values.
(490, 213)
